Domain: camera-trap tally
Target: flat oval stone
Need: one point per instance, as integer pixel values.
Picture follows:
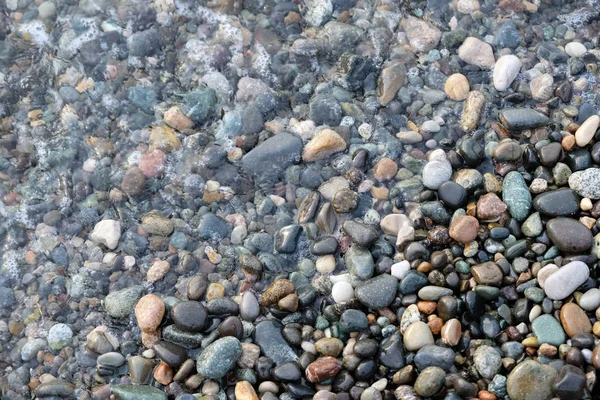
(417, 335)
(569, 235)
(219, 357)
(136, 392)
(586, 131)
(433, 355)
(566, 280)
(531, 380)
(590, 300)
(519, 119)
(574, 320)
(555, 203)
(378, 292)
(516, 195)
(548, 330)
(434, 293)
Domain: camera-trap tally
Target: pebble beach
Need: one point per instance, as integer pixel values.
(299, 199)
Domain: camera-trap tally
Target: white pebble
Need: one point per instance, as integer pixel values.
(309, 347)
(325, 264)
(586, 204)
(575, 49)
(342, 291)
(399, 270)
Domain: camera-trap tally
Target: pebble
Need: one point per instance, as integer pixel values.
(505, 71)
(472, 109)
(107, 232)
(575, 49)
(149, 312)
(417, 335)
(574, 320)
(464, 228)
(476, 52)
(487, 361)
(541, 87)
(422, 35)
(569, 235)
(377, 292)
(586, 131)
(219, 357)
(531, 380)
(590, 300)
(586, 183)
(516, 196)
(322, 145)
(430, 381)
(457, 87)
(548, 330)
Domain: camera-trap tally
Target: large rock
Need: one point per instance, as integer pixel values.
(569, 235)
(268, 160)
(519, 119)
(531, 380)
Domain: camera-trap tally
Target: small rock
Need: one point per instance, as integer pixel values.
(464, 228)
(322, 145)
(457, 87)
(421, 34)
(107, 232)
(476, 52)
(505, 71)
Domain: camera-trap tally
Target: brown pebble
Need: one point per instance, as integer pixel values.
(163, 374)
(463, 229)
(385, 169)
(276, 291)
(322, 369)
(245, 391)
(548, 350)
(574, 320)
(149, 312)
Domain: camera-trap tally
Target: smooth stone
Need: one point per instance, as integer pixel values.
(590, 300)
(477, 52)
(548, 330)
(560, 202)
(586, 183)
(400, 269)
(437, 356)
(342, 292)
(586, 131)
(137, 392)
(56, 388)
(516, 195)
(453, 195)
(212, 227)
(185, 339)
(112, 359)
(140, 369)
(286, 239)
(430, 381)
(530, 380)
(436, 172)
(434, 293)
(170, 353)
(520, 119)
(575, 49)
(541, 87)
(417, 335)
(59, 336)
(189, 316)
(249, 307)
(268, 336)
(457, 87)
(472, 109)
(569, 235)
(107, 232)
(377, 292)
(532, 226)
(488, 273)
(353, 321)
(544, 273)
(391, 79)
(219, 357)
(505, 71)
(566, 280)
(574, 320)
(487, 361)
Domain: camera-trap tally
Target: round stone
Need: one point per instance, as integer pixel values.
(531, 380)
(457, 87)
(417, 336)
(59, 336)
(189, 316)
(342, 291)
(430, 381)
